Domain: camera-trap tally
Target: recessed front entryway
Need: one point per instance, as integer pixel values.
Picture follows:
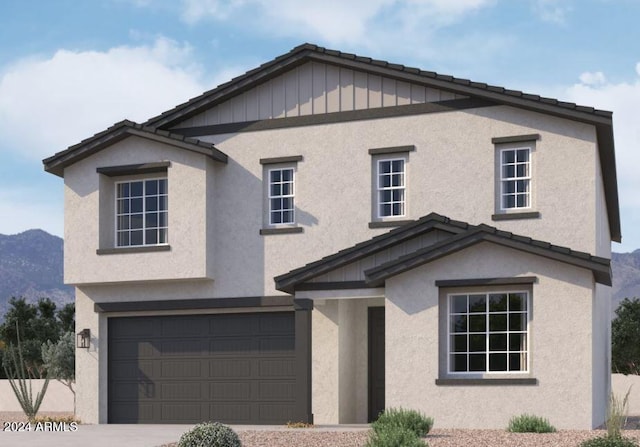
(232, 368)
(376, 362)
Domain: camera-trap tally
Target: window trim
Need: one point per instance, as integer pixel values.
(116, 215)
(292, 196)
(379, 189)
(486, 373)
(529, 178)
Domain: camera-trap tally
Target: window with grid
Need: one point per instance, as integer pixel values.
(391, 188)
(488, 332)
(141, 213)
(515, 178)
(281, 195)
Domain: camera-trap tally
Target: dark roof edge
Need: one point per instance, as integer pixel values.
(123, 129)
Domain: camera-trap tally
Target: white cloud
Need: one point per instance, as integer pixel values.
(593, 78)
(337, 22)
(623, 99)
(553, 11)
(47, 104)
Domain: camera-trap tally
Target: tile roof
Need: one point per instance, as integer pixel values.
(123, 129)
(463, 235)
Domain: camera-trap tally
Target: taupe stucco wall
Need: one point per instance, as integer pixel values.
(560, 344)
(216, 212)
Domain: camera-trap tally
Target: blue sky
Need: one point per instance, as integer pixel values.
(71, 68)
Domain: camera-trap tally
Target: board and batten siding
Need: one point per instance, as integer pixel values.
(313, 89)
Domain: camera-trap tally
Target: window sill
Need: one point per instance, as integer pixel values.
(487, 382)
(388, 223)
(125, 250)
(514, 216)
(284, 230)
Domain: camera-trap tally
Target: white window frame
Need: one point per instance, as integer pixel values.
(380, 189)
(290, 196)
(144, 212)
(515, 179)
(487, 332)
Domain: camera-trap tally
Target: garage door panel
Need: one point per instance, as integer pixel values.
(181, 348)
(276, 344)
(229, 367)
(183, 412)
(278, 391)
(192, 391)
(277, 367)
(183, 327)
(276, 324)
(231, 391)
(234, 325)
(233, 366)
(233, 346)
(180, 369)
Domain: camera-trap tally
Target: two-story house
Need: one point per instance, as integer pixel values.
(328, 235)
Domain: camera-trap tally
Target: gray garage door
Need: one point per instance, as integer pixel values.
(232, 368)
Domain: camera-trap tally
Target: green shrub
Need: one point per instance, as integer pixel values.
(527, 423)
(394, 436)
(608, 441)
(210, 434)
(411, 420)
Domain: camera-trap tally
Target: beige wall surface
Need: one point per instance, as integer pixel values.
(58, 396)
(216, 212)
(560, 344)
(621, 385)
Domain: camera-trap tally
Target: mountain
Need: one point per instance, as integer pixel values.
(31, 266)
(626, 276)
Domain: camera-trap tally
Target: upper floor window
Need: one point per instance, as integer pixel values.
(281, 196)
(391, 187)
(488, 332)
(515, 178)
(141, 212)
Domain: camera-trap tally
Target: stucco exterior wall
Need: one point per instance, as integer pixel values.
(339, 392)
(560, 344)
(90, 220)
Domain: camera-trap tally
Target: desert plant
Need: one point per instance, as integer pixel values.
(210, 434)
(528, 423)
(57, 419)
(412, 420)
(617, 414)
(394, 436)
(21, 383)
(607, 441)
(59, 359)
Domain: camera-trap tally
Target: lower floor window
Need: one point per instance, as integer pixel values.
(488, 332)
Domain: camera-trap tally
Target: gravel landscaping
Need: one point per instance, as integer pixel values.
(324, 437)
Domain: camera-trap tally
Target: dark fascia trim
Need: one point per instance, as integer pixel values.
(432, 221)
(274, 160)
(600, 267)
(516, 138)
(126, 250)
(303, 304)
(516, 216)
(392, 150)
(197, 304)
(388, 223)
(486, 382)
(141, 168)
(486, 281)
(335, 117)
(333, 285)
(285, 230)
